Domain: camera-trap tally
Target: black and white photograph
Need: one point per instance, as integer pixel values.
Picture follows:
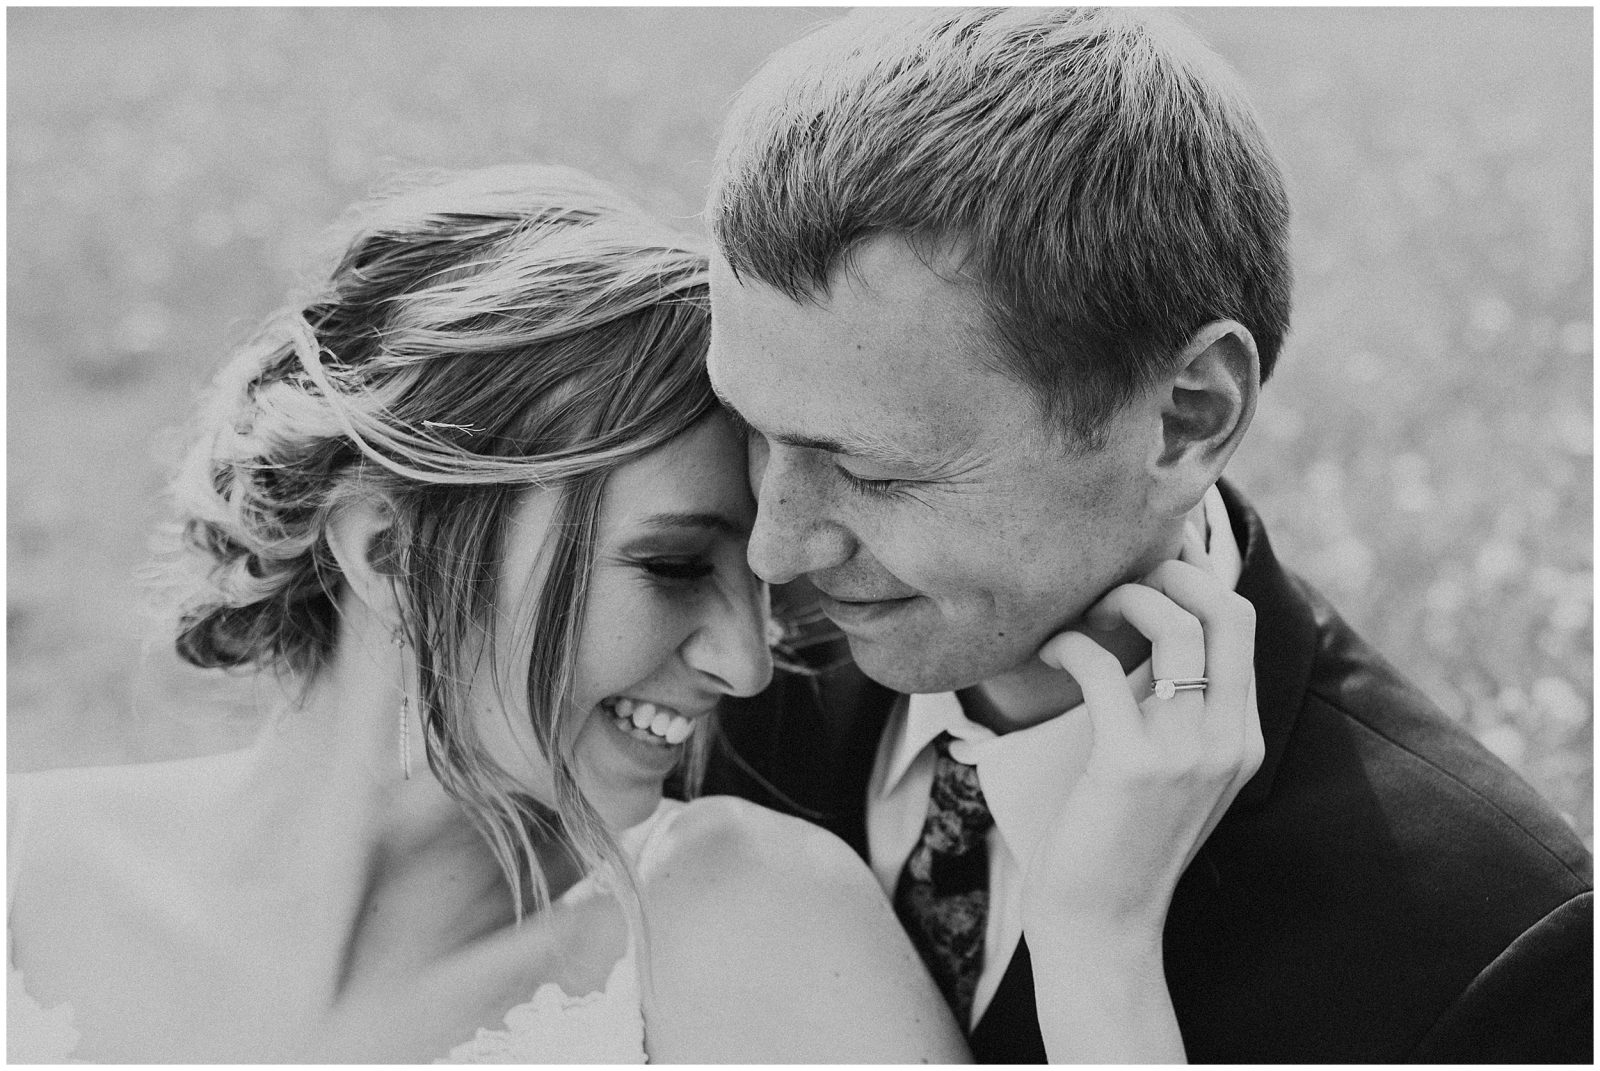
(782, 535)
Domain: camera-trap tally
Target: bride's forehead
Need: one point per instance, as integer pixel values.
(699, 478)
(703, 471)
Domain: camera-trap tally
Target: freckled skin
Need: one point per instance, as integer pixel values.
(1003, 535)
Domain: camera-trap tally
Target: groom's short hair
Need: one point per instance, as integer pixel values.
(1097, 173)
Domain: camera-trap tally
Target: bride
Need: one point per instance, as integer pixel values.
(475, 506)
(475, 498)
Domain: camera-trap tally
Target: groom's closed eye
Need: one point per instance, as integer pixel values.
(870, 487)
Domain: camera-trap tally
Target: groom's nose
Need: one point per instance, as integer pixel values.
(793, 534)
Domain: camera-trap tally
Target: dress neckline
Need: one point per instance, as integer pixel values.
(551, 1000)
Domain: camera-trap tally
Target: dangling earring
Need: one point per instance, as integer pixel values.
(399, 640)
(405, 736)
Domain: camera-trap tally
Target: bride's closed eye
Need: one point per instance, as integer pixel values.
(677, 569)
(681, 550)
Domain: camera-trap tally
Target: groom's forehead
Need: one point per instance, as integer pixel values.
(792, 397)
(887, 320)
(840, 420)
(854, 397)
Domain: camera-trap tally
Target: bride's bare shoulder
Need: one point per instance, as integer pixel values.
(728, 841)
(752, 910)
(126, 788)
(726, 857)
(86, 812)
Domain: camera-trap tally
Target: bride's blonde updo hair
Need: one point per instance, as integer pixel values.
(482, 334)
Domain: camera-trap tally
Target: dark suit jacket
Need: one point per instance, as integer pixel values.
(1382, 890)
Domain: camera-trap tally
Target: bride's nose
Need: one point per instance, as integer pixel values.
(730, 642)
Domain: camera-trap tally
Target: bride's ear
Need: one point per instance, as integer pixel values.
(361, 534)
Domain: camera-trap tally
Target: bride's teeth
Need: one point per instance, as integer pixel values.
(664, 723)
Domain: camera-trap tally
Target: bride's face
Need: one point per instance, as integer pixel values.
(675, 621)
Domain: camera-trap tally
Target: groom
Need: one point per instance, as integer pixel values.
(995, 291)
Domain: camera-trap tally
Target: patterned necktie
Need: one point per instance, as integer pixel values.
(943, 894)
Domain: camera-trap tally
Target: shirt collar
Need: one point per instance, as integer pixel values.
(1027, 774)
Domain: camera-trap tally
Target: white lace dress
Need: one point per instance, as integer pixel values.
(604, 1027)
(553, 1027)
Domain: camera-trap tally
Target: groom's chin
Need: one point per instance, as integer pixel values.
(910, 667)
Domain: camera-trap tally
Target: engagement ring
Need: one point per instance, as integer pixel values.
(1167, 687)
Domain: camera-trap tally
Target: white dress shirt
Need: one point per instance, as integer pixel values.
(1026, 776)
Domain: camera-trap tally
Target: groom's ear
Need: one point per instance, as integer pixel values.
(361, 533)
(1207, 405)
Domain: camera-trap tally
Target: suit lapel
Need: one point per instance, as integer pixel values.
(1286, 642)
(1008, 1032)
(853, 747)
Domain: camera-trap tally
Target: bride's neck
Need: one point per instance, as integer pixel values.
(327, 775)
(326, 817)
(335, 745)
(329, 769)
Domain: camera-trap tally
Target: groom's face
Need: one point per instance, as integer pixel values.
(917, 487)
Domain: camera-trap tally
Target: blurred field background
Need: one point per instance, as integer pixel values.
(1425, 454)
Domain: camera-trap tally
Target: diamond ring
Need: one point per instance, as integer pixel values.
(1167, 687)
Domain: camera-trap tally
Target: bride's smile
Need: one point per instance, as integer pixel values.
(674, 620)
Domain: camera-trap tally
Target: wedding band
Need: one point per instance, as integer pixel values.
(1167, 687)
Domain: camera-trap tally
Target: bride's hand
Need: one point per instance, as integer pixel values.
(1162, 771)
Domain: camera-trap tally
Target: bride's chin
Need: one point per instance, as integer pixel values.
(622, 777)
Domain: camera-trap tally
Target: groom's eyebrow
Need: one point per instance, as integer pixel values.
(866, 447)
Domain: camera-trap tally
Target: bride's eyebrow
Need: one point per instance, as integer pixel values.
(716, 522)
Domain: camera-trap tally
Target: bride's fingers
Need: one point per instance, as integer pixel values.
(1194, 546)
(1177, 637)
(1112, 710)
(1228, 622)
